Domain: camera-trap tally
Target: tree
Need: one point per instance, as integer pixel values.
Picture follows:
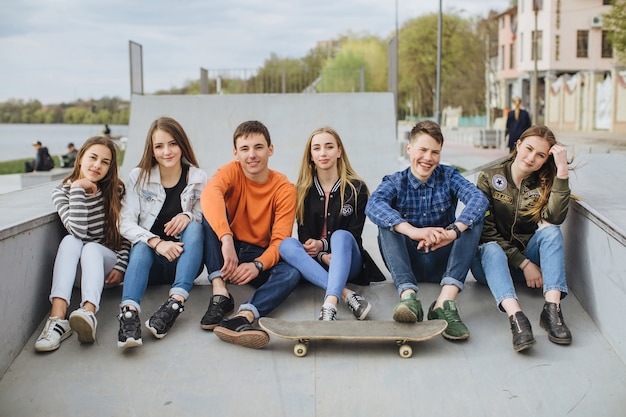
(462, 65)
(616, 22)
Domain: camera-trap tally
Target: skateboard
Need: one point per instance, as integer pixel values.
(305, 331)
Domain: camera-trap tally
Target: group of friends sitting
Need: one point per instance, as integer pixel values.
(169, 221)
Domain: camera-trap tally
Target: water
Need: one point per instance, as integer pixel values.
(16, 139)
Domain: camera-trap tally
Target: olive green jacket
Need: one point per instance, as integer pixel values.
(504, 222)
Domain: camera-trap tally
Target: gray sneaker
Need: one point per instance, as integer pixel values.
(409, 310)
(358, 305)
(328, 314)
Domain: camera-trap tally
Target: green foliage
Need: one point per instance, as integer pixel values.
(462, 65)
(615, 21)
(104, 111)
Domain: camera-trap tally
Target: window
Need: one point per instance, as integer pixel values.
(557, 47)
(502, 57)
(539, 45)
(582, 44)
(607, 45)
(511, 55)
(607, 2)
(521, 48)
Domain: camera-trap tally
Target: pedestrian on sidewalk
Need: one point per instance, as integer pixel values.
(517, 121)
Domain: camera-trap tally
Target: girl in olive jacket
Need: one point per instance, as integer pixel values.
(521, 239)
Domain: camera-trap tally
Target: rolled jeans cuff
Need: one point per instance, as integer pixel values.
(250, 307)
(403, 287)
(215, 274)
(452, 281)
(131, 303)
(179, 291)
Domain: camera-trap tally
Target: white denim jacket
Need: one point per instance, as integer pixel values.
(142, 205)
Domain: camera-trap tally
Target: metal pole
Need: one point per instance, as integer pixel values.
(438, 85)
(535, 87)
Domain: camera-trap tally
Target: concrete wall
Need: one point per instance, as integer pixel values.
(365, 122)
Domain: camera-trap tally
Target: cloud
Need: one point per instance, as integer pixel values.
(63, 50)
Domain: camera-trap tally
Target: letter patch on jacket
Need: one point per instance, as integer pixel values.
(503, 197)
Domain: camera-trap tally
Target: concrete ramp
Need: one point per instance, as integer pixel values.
(365, 121)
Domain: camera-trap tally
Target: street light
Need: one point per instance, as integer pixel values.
(438, 82)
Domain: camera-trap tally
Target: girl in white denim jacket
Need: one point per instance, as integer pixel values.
(161, 217)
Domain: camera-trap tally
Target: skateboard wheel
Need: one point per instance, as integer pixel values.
(300, 350)
(406, 351)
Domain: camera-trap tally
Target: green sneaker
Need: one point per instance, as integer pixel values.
(409, 310)
(456, 330)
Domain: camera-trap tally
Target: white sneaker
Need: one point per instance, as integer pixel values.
(84, 323)
(54, 332)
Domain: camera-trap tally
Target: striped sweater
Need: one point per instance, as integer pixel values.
(83, 217)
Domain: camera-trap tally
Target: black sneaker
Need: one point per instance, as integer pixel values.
(163, 319)
(239, 331)
(130, 329)
(219, 307)
(358, 305)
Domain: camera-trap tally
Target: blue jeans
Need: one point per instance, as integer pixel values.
(145, 266)
(273, 285)
(345, 262)
(544, 249)
(408, 265)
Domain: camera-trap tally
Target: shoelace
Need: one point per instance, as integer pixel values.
(354, 301)
(328, 314)
(452, 316)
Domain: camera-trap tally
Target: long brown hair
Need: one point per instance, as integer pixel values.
(111, 186)
(546, 173)
(171, 126)
(308, 169)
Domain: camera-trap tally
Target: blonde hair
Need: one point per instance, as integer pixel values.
(307, 171)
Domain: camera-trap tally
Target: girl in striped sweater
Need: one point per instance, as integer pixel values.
(89, 203)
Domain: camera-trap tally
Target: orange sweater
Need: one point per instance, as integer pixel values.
(259, 214)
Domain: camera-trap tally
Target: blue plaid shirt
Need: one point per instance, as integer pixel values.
(401, 197)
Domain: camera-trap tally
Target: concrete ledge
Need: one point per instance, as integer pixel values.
(40, 177)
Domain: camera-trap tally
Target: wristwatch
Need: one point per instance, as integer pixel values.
(453, 226)
(258, 265)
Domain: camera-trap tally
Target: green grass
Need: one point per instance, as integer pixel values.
(16, 166)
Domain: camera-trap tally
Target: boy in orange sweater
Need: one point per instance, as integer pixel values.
(249, 209)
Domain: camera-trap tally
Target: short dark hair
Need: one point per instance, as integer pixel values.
(249, 127)
(428, 127)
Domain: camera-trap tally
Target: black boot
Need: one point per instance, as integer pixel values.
(522, 331)
(552, 320)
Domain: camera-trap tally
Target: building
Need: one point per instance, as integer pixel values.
(578, 84)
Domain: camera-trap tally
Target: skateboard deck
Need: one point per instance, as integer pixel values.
(305, 331)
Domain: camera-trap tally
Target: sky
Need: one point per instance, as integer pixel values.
(63, 50)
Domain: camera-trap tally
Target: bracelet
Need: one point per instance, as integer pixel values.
(155, 246)
(319, 256)
(525, 264)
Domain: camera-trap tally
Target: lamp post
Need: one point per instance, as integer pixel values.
(438, 82)
(535, 85)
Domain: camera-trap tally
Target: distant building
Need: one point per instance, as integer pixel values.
(579, 84)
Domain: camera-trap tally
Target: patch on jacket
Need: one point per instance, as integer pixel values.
(503, 197)
(347, 210)
(533, 194)
(499, 182)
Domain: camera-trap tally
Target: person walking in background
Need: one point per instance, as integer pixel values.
(517, 121)
(521, 241)
(161, 216)
(330, 213)
(88, 202)
(249, 210)
(419, 235)
(42, 162)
